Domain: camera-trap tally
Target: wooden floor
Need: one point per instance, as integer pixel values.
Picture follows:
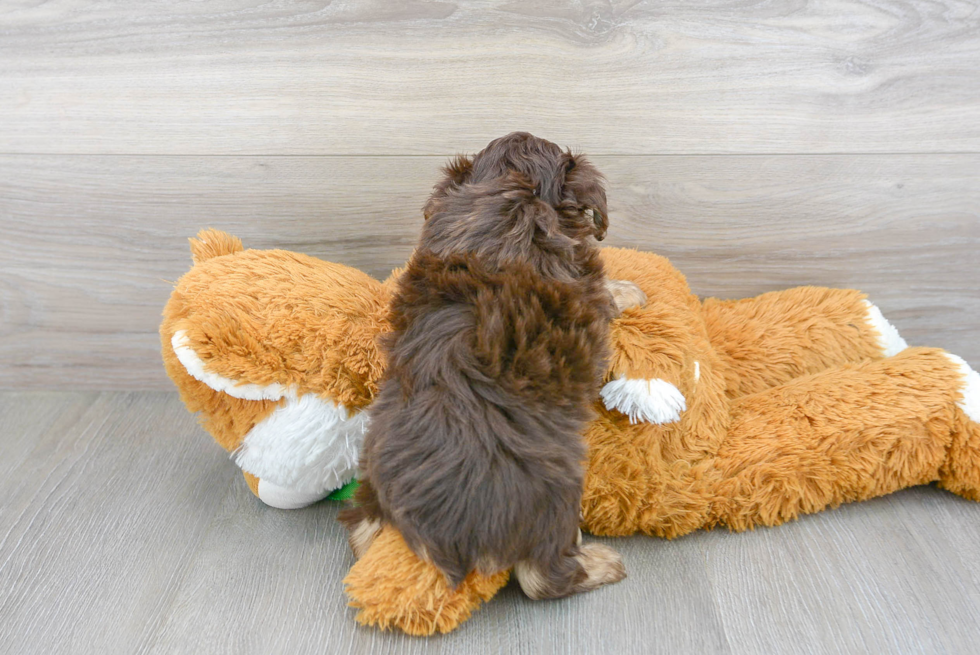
(125, 530)
(759, 145)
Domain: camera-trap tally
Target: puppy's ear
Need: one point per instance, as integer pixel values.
(536, 218)
(455, 174)
(585, 187)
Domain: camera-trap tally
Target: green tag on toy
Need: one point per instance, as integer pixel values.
(346, 492)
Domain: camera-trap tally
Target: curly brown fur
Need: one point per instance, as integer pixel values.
(500, 341)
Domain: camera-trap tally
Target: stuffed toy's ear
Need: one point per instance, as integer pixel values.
(211, 243)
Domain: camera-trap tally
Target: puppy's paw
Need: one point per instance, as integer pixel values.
(626, 294)
(362, 536)
(602, 565)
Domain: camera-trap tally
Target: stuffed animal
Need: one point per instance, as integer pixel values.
(715, 413)
(277, 352)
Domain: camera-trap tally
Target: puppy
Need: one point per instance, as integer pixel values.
(499, 344)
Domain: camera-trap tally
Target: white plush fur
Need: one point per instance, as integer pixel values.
(649, 401)
(306, 445)
(303, 450)
(970, 403)
(890, 341)
(284, 498)
(195, 367)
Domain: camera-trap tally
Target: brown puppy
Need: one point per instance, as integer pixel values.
(500, 342)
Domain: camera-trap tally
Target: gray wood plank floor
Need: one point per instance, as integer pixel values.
(124, 529)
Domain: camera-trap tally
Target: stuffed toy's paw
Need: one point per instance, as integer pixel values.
(392, 588)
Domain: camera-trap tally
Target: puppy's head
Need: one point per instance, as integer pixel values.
(531, 171)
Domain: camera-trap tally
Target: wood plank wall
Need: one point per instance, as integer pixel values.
(759, 145)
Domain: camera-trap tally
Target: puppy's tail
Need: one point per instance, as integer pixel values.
(213, 243)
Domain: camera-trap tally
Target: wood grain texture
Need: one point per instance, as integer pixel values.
(101, 519)
(88, 244)
(419, 77)
(876, 596)
(124, 529)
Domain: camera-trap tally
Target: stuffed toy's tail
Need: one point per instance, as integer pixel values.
(213, 243)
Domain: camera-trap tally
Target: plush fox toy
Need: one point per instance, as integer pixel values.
(277, 352)
(734, 413)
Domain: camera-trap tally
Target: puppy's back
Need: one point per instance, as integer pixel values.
(474, 448)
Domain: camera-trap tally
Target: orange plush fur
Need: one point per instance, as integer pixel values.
(272, 318)
(790, 407)
(417, 600)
